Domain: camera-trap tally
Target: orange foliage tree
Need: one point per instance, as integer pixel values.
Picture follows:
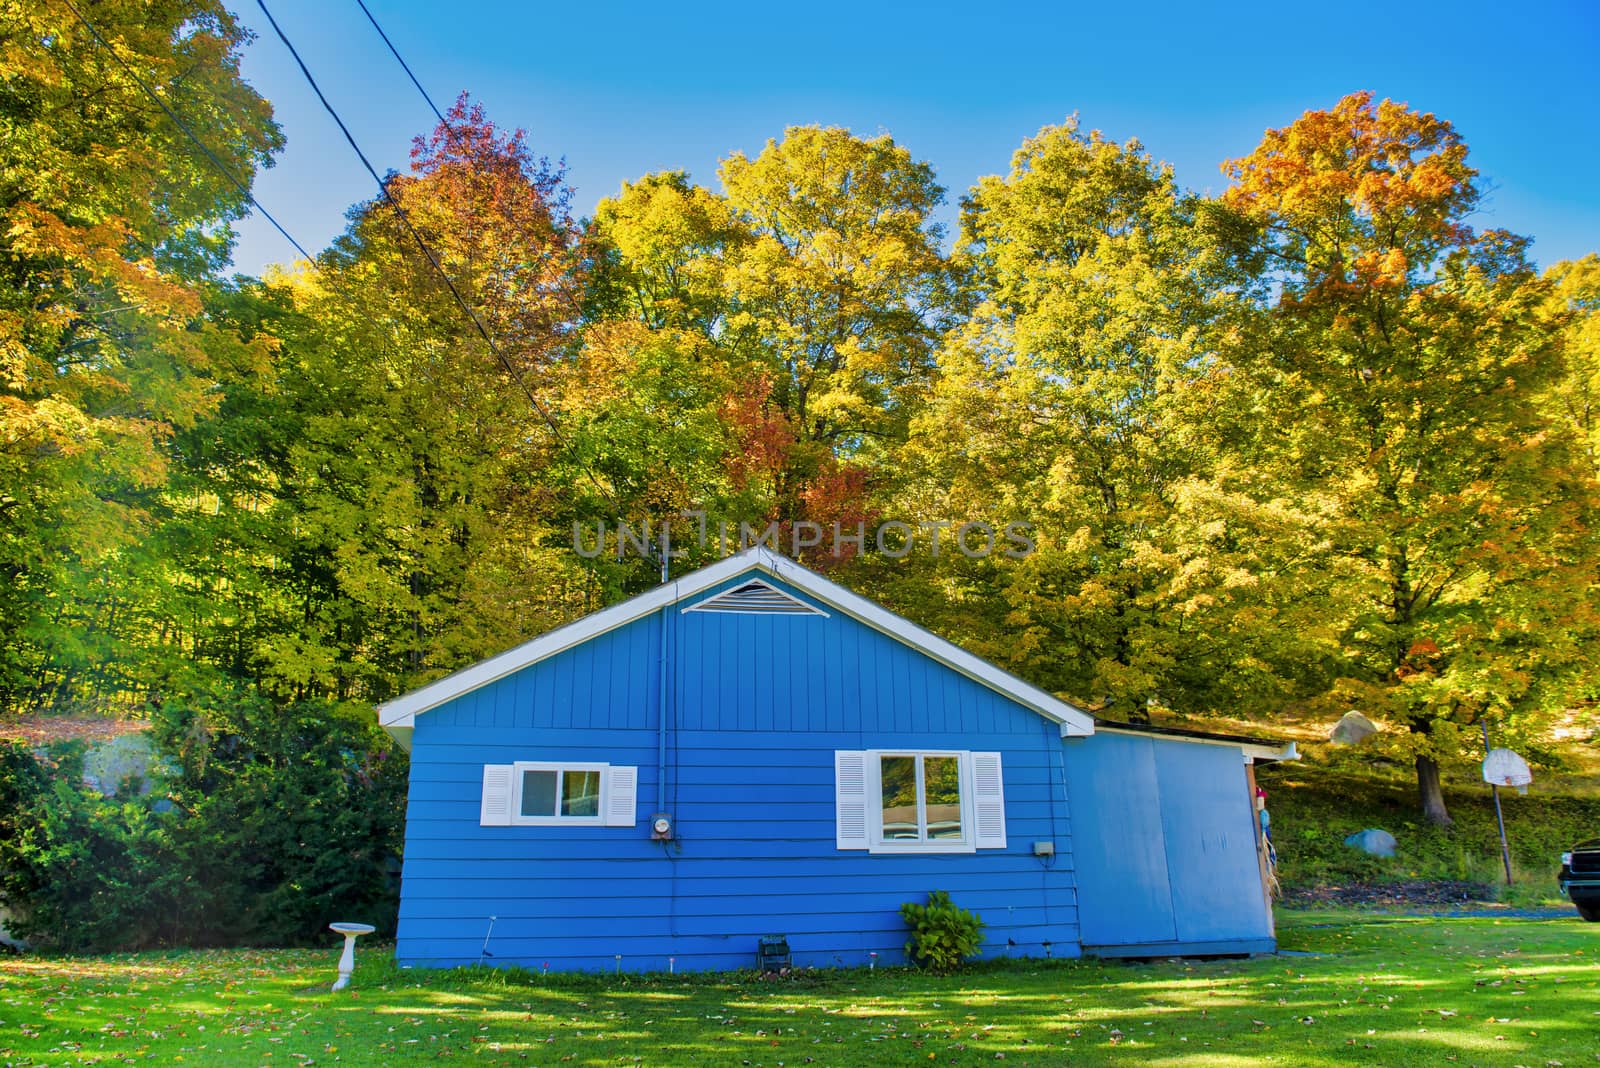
(1398, 398)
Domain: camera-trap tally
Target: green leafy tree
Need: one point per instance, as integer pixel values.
(81, 871)
(285, 815)
(1399, 400)
(110, 222)
(1078, 397)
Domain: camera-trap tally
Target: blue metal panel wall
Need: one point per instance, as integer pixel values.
(756, 707)
(1165, 847)
(1125, 891)
(1208, 823)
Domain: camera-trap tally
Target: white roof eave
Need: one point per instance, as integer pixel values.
(1264, 752)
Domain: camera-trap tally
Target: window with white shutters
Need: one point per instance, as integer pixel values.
(554, 793)
(919, 801)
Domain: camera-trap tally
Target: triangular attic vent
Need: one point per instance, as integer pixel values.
(756, 598)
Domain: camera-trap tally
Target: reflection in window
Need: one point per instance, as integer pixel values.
(942, 790)
(899, 778)
(550, 793)
(539, 793)
(921, 798)
(580, 793)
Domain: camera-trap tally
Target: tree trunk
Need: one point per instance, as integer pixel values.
(1430, 792)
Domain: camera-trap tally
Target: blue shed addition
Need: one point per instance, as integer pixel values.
(752, 750)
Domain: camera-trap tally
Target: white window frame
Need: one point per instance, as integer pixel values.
(562, 767)
(877, 843)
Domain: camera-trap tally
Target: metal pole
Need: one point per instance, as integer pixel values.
(1499, 816)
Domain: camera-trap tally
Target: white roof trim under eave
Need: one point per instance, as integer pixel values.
(1253, 751)
(401, 713)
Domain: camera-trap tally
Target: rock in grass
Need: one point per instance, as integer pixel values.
(1352, 729)
(1373, 841)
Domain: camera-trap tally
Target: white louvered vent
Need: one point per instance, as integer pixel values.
(757, 598)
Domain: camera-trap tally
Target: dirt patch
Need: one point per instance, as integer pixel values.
(43, 730)
(1415, 893)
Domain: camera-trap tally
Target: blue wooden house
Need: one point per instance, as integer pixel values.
(752, 750)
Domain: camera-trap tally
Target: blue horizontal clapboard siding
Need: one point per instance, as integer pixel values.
(733, 720)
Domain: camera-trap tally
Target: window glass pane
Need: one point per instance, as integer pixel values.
(899, 776)
(941, 777)
(580, 793)
(538, 793)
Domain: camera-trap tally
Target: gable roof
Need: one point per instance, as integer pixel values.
(398, 716)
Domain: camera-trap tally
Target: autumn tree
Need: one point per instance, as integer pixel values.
(657, 360)
(809, 295)
(1075, 398)
(1575, 301)
(387, 500)
(844, 283)
(847, 289)
(1398, 402)
(111, 224)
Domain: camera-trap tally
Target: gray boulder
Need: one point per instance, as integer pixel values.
(1373, 841)
(107, 764)
(1352, 729)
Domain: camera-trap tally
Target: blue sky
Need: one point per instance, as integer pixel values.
(623, 89)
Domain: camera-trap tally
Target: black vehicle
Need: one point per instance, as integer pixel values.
(1580, 878)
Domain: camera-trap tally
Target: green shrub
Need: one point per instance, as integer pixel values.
(267, 821)
(942, 933)
(293, 815)
(81, 871)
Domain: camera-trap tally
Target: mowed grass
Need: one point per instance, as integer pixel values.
(1385, 990)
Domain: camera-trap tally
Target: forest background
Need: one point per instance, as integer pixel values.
(1316, 443)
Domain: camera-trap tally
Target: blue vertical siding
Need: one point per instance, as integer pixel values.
(1165, 847)
(755, 707)
(1125, 892)
(1208, 820)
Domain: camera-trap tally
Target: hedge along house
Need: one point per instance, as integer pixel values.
(752, 749)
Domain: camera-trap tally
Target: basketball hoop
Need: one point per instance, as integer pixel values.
(1502, 767)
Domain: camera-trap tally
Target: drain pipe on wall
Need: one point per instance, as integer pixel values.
(661, 681)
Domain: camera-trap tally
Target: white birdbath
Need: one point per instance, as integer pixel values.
(347, 961)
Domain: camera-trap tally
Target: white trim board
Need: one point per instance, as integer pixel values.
(399, 715)
(1253, 751)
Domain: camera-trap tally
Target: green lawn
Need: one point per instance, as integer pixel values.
(1379, 990)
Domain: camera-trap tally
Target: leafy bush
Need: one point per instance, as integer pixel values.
(942, 933)
(268, 821)
(79, 870)
(293, 815)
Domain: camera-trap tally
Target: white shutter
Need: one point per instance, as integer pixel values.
(496, 808)
(850, 798)
(622, 797)
(988, 801)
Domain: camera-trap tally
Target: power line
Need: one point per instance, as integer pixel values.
(221, 167)
(395, 52)
(400, 212)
